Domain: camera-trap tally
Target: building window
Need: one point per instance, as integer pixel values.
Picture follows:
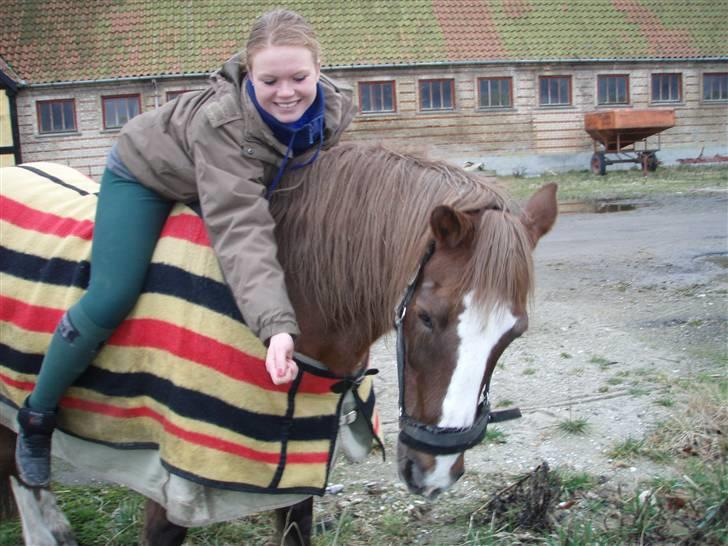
(555, 90)
(613, 89)
(56, 116)
(715, 87)
(495, 93)
(376, 97)
(437, 94)
(666, 87)
(118, 110)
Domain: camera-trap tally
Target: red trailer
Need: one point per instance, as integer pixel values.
(620, 136)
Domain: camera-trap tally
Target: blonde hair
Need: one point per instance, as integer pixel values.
(281, 27)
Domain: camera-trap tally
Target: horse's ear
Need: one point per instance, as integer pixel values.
(539, 214)
(450, 227)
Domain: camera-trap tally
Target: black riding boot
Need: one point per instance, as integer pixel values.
(33, 450)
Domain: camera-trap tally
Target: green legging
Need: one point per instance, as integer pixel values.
(129, 219)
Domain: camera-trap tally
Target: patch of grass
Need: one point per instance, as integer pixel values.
(574, 427)
(577, 371)
(603, 388)
(529, 371)
(666, 402)
(623, 184)
(102, 514)
(638, 391)
(600, 361)
(572, 481)
(615, 381)
(627, 449)
(494, 435)
(505, 403)
(565, 355)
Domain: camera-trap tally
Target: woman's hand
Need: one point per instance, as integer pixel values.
(279, 359)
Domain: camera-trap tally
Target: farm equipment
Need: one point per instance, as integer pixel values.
(620, 136)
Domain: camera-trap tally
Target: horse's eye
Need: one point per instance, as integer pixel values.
(425, 318)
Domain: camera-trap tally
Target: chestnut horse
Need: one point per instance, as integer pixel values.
(367, 236)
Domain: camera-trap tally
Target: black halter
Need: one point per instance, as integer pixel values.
(434, 439)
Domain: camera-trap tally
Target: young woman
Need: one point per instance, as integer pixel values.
(228, 147)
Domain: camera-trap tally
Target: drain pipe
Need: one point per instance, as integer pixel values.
(156, 93)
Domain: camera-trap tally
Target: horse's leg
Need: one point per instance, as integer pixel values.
(158, 530)
(295, 523)
(8, 508)
(43, 522)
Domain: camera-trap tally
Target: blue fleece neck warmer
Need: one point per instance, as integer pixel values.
(299, 135)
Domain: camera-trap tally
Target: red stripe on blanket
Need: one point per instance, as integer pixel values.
(206, 351)
(187, 227)
(33, 318)
(43, 222)
(176, 340)
(22, 385)
(189, 436)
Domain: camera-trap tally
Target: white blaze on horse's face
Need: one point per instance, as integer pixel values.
(478, 338)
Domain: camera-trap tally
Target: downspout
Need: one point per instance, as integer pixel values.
(12, 99)
(156, 93)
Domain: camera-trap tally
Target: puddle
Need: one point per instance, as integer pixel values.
(718, 258)
(599, 206)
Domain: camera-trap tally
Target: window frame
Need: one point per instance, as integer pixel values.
(607, 102)
(442, 82)
(362, 84)
(661, 100)
(719, 100)
(570, 101)
(106, 98)
(508, 79)
(40, 103)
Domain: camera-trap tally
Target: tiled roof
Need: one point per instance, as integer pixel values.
(70, 40)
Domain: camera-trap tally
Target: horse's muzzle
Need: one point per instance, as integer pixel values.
(428, 475)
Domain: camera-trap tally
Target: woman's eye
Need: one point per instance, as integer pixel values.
(299, 78)
(425, 319)
(269, 82)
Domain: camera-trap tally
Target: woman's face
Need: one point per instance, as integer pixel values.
(285, 80)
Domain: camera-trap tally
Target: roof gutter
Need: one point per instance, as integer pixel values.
(519, 62)
(423, 64)
(119, 80)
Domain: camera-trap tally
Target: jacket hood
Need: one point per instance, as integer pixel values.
(234, 70)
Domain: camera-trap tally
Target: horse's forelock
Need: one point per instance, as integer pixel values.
(371, 208)
(500, 271)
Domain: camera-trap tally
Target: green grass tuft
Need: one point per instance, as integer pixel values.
(575, 427)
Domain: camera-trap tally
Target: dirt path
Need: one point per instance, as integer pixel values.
(626, 303)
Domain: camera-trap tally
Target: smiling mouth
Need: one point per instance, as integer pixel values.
(287, 105)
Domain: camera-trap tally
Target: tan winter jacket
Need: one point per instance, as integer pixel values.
(212, 145)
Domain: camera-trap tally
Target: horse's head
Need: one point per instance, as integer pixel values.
(469, 303)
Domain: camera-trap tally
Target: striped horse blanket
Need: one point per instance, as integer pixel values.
(182, 374)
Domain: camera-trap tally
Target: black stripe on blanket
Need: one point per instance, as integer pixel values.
(18, 361)
(55, 179)
(205, 408)
(56, 271)
(161, 279)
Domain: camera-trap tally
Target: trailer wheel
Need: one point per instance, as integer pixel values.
(599, 163)
(652, 161)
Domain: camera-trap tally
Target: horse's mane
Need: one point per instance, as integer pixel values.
(371, 206)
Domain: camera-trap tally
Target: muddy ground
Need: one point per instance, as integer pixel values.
(626, 303)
